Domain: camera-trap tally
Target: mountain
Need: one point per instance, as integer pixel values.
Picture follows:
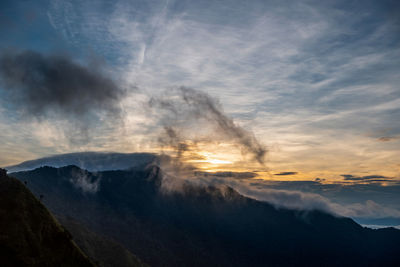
(205, 226)
(29, 234)
(92, 161)
(103, 251)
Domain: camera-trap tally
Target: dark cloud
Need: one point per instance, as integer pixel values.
(42, 85)
(237, 175)
(347, 176)
(371, 178)
(380, 180)
(172, 138)
(387, 138)
(286, 173)
(188, 106)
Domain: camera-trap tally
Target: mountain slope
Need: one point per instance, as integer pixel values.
(201, 226)
(103, 252)
(29, 234)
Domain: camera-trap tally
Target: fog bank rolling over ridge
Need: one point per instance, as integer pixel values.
(91, 161)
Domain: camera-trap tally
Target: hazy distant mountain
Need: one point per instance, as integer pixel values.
(29, 234)
(91, 161)
(207, 226)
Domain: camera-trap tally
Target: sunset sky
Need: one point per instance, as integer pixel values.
(314, 82)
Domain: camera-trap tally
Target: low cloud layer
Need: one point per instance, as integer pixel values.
(236, 175)
(294, 199)
(286, 173)
(361, 200)
(368, 178)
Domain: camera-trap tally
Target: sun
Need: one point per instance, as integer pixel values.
(213, 157)
(218, 161)
(209, 158)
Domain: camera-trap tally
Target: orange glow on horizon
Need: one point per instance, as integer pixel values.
(224, 157)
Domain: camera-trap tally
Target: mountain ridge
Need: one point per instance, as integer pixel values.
(207, 225)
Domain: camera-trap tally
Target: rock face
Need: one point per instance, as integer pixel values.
(29, 234)
(206, 226)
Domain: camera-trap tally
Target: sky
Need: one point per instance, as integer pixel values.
(313, 84)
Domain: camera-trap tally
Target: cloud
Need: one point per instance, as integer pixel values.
(369, 209)
(85, 181)
(43, 86)
(286, 173)
(286, 198)
(371, 178)
(299, 90)
(301, 75)
(294, 199)
(236, 175)
(288, 194)
(187, 108)
(387, 138)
